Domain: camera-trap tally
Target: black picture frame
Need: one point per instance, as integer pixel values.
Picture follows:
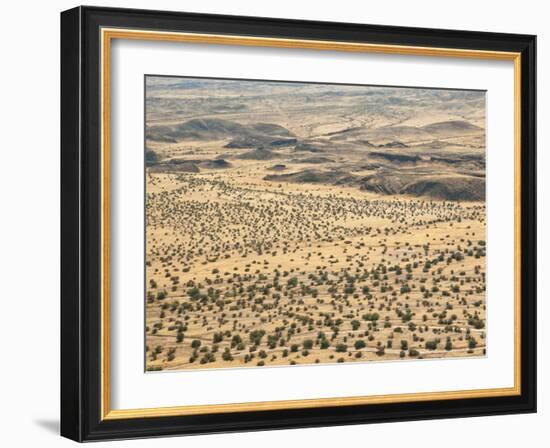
(81, 224)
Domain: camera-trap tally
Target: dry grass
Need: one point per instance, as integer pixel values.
(245, 272)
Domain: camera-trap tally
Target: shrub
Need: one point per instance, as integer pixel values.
(226, 355)
(154, 368)
(171, 356)
(340, 348)
(235, 340)
(359, 344)
(256, 336)
(208, 357)
(476, 322)
(431, 345)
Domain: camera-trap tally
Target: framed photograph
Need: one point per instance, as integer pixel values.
(273, 223)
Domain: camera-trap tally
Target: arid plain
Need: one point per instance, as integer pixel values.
(293, 223)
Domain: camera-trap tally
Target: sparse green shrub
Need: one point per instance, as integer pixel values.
(226, 355)
(431, 345)
(371, 317)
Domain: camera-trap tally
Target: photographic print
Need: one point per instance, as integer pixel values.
(303, 223)
(318, 215)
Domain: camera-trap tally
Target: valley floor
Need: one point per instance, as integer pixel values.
(243, 272)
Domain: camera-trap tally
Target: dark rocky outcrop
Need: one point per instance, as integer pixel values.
(313, 160)
(334, 177)
(389, 182)
(278, 167)
(446, 187)
(307, 147)
(394, 144)
(151, 157)
(176, 165)
(259, 154)
(456, 188)
(215, 164)
(451, 127)
(396, 157)
(218, 129)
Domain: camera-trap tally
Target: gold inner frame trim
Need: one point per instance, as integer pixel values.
(107, 35)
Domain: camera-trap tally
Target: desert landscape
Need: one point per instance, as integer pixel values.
(302, 223)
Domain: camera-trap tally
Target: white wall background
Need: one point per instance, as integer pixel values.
(29, 219)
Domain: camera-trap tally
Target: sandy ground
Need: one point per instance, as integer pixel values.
(341, 246)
